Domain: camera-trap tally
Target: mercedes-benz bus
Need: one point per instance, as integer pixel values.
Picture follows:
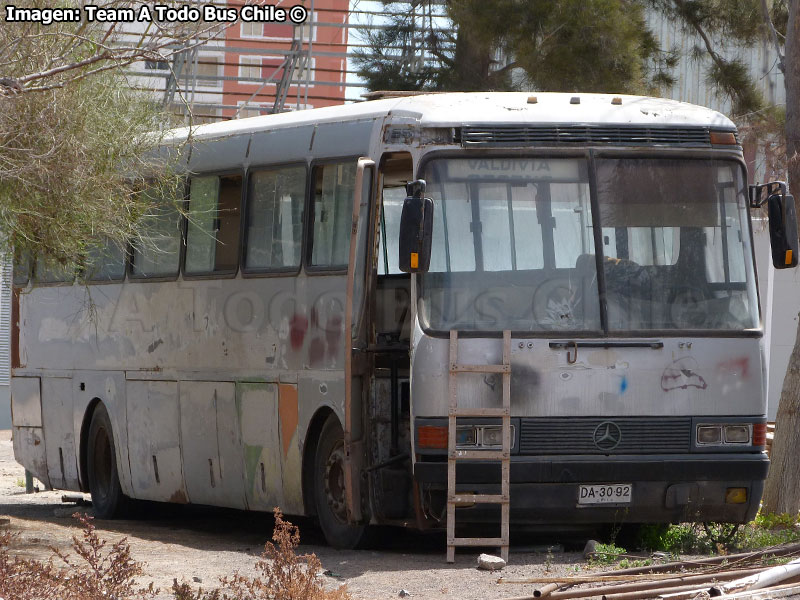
(265, 347)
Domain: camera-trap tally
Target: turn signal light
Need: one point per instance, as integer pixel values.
(736, 495)
(431, 437)
(759, 434)
(722, 138)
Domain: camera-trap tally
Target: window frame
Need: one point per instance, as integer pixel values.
(308, 246)
(216, 83)
(272, 271)
(250, 36)
(131, 251)
(243, 105)
(243, 79)
(228, 273)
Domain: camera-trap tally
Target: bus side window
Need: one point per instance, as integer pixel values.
(157, 252)
(212, 235)
(47, 271)
(105, 262)
(275, 201)
(391, 209)
(22, 268)
(332, 214)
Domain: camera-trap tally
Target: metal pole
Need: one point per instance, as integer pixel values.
(28, 482)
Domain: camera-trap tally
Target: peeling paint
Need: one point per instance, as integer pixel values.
(288, 412)
(178, 497)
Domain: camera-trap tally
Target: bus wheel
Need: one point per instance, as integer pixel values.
(329, 494)
(108, 501)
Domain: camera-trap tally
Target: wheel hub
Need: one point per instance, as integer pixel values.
(334, 482)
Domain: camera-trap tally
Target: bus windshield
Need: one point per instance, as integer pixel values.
(514, 246)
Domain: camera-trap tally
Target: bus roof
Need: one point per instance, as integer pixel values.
(464, 108)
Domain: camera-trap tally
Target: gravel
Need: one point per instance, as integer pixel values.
(199, 545)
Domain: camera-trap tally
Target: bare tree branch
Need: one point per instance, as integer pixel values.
(773, 35)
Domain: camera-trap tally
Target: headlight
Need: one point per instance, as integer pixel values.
(737, 434)
(726, 434)
(466, 436)
(709, 434)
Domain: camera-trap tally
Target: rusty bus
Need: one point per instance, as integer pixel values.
(270, 351)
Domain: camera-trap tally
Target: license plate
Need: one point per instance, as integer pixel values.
(610, 493)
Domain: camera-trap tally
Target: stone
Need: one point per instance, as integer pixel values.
(590, 549)
(490, 563)
(404, 594)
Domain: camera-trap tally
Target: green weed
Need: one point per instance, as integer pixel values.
(606, 554)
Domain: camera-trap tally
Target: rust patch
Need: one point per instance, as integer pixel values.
(298, 326)
(287, 411)
(179, 497)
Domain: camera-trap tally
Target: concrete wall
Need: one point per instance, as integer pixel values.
(780, 305)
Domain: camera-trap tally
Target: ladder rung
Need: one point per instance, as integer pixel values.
(454, 368)
(477, 542)
(479, 455)
(478, 498)
(480, 412)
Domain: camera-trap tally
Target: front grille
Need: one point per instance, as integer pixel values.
(548, 135)
(576, 435)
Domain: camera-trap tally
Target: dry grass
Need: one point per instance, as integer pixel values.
(97, 570)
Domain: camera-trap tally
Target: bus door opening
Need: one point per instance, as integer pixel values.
(390, 405)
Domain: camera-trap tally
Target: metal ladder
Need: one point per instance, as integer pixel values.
(502, 456)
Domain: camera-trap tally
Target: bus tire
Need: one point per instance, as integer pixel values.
(108, 501)
(329, 495)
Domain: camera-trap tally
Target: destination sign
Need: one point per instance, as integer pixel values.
(516, 168)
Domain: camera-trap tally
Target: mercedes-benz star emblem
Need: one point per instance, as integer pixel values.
(607, 435)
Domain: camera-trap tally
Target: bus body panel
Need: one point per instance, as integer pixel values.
(261, 326)
(724, 378)
(278, 339)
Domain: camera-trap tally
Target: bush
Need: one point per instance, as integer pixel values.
(96, 572)
(99, 571)
(283, 574)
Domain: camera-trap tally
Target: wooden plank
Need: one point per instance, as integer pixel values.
(474, 541)
(451, 446)
(505, 470)
(456, 368)
(480, 412)
(495, 455)
(478, 498)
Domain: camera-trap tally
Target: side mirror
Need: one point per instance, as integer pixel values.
(416, 229)
(782, 230)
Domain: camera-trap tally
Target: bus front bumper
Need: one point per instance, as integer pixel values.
(665, 488)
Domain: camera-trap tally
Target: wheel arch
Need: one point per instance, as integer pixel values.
(309, 451)
(83, 455)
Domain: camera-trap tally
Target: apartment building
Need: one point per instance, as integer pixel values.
(256, 67)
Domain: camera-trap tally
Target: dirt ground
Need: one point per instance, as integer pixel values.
(199, 545)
